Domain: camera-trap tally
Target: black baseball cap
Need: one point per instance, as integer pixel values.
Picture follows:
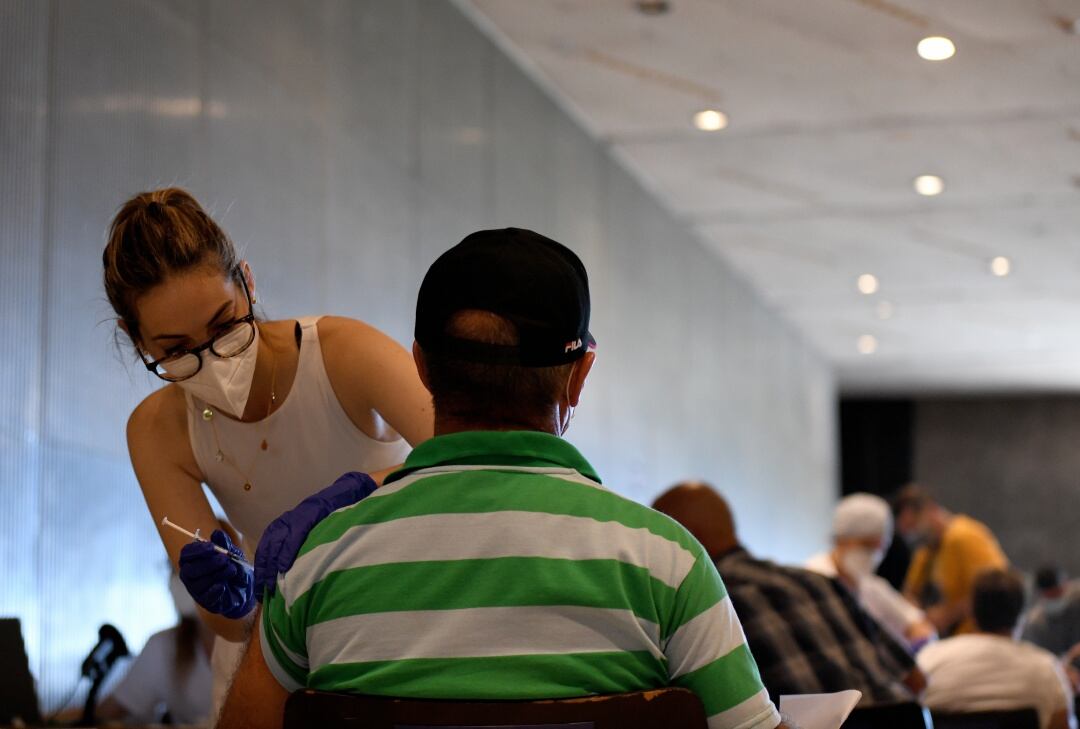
(537, 284)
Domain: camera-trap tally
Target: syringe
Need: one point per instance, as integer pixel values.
(197, 537)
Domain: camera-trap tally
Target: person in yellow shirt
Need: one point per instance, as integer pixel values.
(949, 551)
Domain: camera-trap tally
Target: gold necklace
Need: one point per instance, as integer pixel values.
(219, 455)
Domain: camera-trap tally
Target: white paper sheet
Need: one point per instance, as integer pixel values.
(819, 711)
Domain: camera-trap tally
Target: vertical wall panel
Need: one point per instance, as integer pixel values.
(523, 128)
(24, 56)
(125, 111)
(372, 75)
(343, 145)
(456, 67)
(125, 105)
(372, 240)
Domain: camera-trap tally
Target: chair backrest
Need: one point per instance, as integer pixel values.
(659, 709)
(906, 715)
(1013, 719)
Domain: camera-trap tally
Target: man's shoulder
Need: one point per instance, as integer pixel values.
(559, 491)
(763, 574)
(949, 652)
(452, 496)
(1034, 654)
(964, 528)
(972, 646)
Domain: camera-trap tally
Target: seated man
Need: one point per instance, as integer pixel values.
(990, 670)
(494, 565)
(805, 630)
(1054, 621)
(862, 530)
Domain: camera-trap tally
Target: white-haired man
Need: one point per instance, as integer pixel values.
(862, 530)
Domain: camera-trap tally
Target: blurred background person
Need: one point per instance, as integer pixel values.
(170, 680)
(862, 530)
(989, 670)
(1053, 622)
(949, 550)
(805, 631)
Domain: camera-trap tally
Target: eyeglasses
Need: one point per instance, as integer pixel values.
(232, 339)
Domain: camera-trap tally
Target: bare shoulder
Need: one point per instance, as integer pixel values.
(158, 425)
(350, 344)
(336, 332)
(375, 380)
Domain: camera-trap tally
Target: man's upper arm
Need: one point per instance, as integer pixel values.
(1065, 700)
(256, 698)
(963, 558)
(707, 653)
(282, 635)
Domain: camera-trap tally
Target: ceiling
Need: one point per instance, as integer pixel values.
(832, 115)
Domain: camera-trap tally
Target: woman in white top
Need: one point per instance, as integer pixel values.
(170, 676)
(264, 413)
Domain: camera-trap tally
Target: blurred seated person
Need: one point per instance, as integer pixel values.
(949, 550)
(989, 670)
(862, 530)
(1053, 622)
(806, 631)
(171, 676)
(494, 565)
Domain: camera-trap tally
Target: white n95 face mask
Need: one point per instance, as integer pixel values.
(860, 563)
(225, 382)
(185, 605)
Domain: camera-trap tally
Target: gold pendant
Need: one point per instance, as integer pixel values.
(247, 486)
(264, 445)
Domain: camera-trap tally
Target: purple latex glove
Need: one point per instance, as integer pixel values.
(216, 582)
(282, 540)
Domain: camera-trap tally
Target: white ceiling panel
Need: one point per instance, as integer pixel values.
(832, 115)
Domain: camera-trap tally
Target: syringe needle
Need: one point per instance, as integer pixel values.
(173, 525)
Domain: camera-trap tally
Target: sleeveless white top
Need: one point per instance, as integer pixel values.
(310, 442)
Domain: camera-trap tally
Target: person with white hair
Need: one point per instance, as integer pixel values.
(862, 530)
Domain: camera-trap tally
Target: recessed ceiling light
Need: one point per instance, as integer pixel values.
(866, 344)
(867, 283)
(1069, 25)
(710, 120)
(1000, 266)
(936, 48)
(929, 185)
(885, 310)
(653, 7)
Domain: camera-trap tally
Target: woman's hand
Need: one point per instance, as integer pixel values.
(281, 541)
(216, 581)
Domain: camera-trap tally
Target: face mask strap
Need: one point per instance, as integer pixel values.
(565, 426)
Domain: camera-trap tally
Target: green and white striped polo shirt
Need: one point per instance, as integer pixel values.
(495, 566)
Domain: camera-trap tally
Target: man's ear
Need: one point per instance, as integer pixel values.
(578, 376)
(421, 364)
